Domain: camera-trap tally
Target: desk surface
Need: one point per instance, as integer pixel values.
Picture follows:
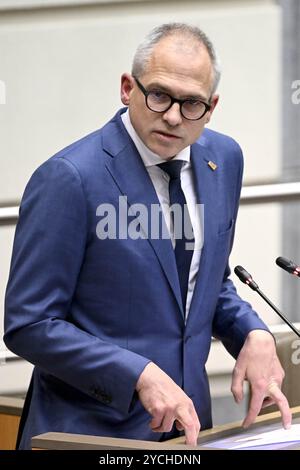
(262, 423)
(11, 405)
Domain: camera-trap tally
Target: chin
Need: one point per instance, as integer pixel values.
(166, 156)
(165, 153)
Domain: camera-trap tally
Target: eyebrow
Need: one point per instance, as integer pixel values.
(167, 90)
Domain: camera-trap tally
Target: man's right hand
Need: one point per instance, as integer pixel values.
(166, 402)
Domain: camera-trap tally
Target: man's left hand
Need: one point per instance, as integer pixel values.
(258, 363)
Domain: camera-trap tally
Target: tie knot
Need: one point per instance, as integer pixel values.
(173, 168)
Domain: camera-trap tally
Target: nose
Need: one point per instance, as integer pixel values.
(173, 115)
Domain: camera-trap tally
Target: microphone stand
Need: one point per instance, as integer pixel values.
(246, 278)
(278, 312)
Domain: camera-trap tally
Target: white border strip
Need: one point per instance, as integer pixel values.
(32, 4)
(260, 194)
(9, 214)
(270, 193)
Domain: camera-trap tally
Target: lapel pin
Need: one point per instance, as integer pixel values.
(212, 165)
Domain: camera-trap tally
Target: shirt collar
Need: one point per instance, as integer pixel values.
(150, 158)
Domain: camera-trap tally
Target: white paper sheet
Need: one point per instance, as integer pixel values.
(271, 437)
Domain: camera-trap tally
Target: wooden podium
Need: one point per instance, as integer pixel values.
(10, 413)
(63, 441)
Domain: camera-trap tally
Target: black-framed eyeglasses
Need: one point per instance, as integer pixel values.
(159, 102)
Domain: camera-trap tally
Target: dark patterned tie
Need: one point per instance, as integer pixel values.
(183, 231)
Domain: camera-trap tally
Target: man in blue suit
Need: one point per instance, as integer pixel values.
(118, 329)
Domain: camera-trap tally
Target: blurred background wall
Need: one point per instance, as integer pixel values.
(60, 67)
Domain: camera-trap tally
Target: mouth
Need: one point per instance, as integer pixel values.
(166, 135)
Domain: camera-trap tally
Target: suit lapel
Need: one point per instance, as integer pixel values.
(131, 177)
(206, 182)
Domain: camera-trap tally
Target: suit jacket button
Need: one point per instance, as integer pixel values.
(106, 398)
(95, 392)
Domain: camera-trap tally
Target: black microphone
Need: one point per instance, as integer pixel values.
(288, 266)
(246, 278)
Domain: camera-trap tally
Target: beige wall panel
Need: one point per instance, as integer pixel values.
(62, 67)
(257, 245)
(14, 377)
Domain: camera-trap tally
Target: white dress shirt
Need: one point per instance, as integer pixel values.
(160, 181)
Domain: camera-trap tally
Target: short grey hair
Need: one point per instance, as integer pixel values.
(145, 49)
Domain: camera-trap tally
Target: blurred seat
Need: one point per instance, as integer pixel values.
(288, 350)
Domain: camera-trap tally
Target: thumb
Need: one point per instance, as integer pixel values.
(237, 383)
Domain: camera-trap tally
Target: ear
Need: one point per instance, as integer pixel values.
(214, 102)
(127, 84)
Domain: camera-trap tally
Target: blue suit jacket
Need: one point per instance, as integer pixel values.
(90, 314)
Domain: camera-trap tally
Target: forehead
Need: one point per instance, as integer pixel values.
(182, 64)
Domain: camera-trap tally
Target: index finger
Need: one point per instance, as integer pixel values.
(191, 426)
